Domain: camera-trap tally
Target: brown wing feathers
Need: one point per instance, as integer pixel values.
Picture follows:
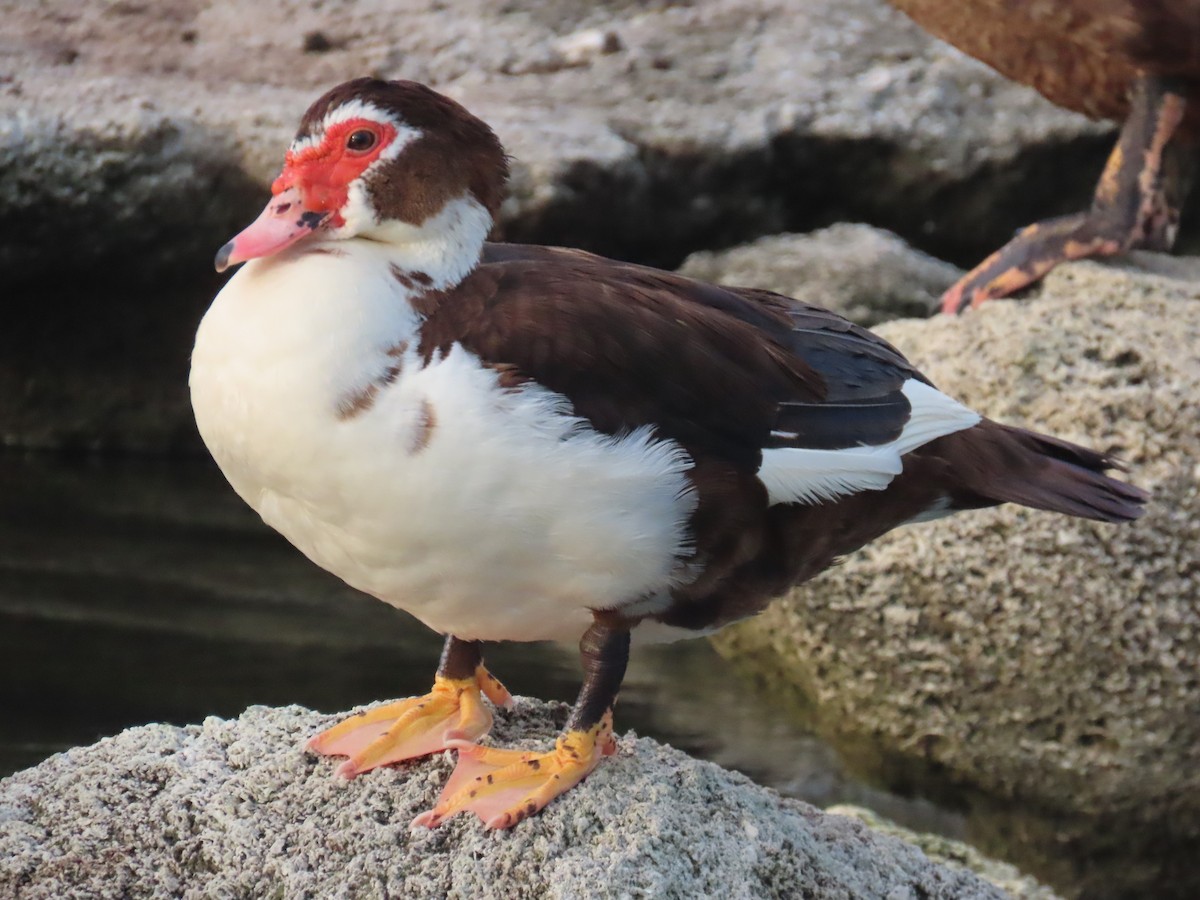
(722, 371)
(729, 372)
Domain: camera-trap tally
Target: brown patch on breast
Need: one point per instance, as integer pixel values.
(401, 276)
(326, 251)
(391, 373)
(410, 280)
(357, 402)
(426, 422)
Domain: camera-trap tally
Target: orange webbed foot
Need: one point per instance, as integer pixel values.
(1027, 258)
(1136, 204)
(452, 714)
(503, 787)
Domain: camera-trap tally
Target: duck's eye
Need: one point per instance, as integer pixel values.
(361, 141)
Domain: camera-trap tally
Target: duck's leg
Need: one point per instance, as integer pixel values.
(452, 713)
(1136, 204)
(503, 787)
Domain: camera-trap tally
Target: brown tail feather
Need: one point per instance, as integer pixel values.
(995, 463)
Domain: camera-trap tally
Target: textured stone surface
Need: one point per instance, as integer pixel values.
(235, 808)
(866, 274)
(954, 854)
(1038, 657)
(136, 137)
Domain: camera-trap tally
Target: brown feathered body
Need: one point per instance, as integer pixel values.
(1080, 54)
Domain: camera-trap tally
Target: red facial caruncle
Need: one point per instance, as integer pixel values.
(324, 172)
(312, 189)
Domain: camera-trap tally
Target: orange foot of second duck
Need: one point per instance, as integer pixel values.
(1027, 258)
(503, 787)
(1136, 203)
(450, 715)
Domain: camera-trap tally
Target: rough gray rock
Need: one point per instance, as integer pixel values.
(236, 808)
(135, 138)
(1038, 657)
(866, 274)
(954, 854)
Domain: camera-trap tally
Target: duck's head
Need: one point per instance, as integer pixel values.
(383, 160)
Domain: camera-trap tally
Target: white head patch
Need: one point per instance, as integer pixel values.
(360, 109)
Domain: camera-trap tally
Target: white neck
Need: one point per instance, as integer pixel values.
(445, 247)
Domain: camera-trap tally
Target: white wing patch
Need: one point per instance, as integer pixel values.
(796, 475)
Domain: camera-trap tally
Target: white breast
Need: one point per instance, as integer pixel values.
(487, 513)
